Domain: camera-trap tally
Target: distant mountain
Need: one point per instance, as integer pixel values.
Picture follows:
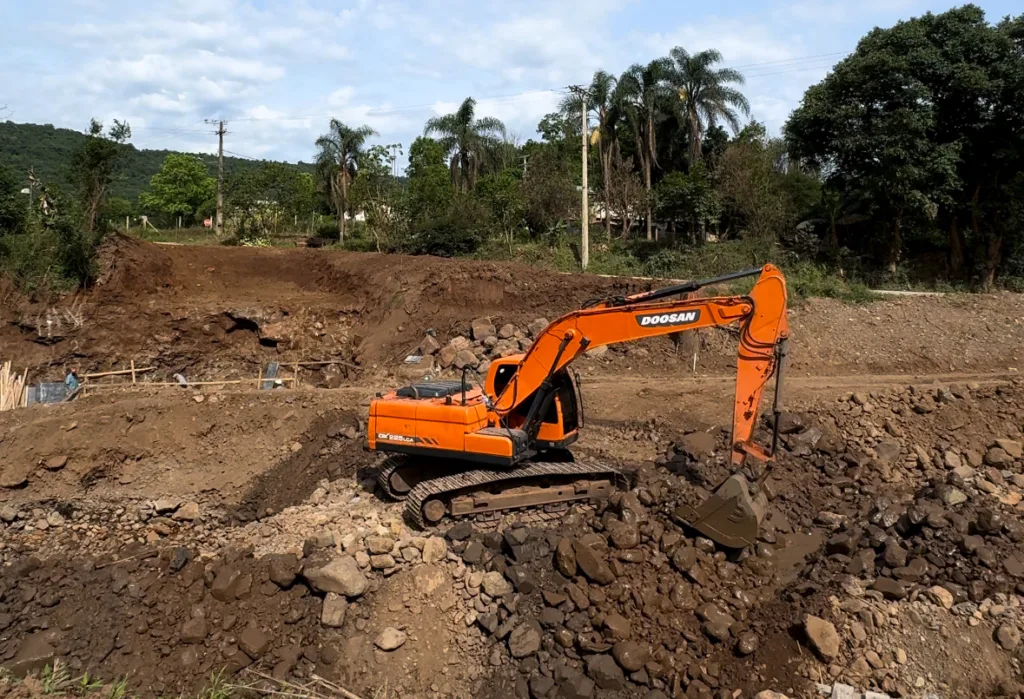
(48, 150)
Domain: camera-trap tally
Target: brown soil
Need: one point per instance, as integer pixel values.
(98, 574)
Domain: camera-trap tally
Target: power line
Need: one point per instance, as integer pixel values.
(798, 59)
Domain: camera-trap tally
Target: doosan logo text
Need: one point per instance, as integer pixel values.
(684, 318)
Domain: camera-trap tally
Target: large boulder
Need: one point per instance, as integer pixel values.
(482, 328)
(341, 576)
(593, 565)
(823, 636)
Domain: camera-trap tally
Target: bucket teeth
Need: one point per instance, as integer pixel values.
(731, 517)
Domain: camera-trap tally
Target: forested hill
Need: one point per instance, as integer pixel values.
(48, 150)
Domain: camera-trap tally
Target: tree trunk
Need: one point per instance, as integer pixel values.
(691, 115)
(993, 255)
(647, 185)
(956, 248)
(895, 244)
(606, 169)
(343, 208)
(833, 238)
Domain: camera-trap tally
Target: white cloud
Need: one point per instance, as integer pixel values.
(163, 102)
(739, 41)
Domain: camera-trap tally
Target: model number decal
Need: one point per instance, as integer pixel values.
(397, 438)
(684, 318)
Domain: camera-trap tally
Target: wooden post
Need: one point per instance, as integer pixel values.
(259, 379)
(295, 369)
(133, 372)
(127, 223)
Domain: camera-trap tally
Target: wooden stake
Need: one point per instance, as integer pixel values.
(296, 372)
(133, 371)
(259, 379)
(120, 372)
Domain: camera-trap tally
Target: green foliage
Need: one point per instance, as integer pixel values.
(751, 182)
(923, 120)
(13, 204)
(472, 144)
(502, 194)
(377, 194)
(48, 150)
(691, 198)
(459, 231)
(338, 154)
(548, 190)
(429, 193)
(181, 188)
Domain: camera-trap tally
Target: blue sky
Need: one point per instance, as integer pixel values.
(277, 71)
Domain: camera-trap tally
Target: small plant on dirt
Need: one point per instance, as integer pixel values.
(217, 689)
(118, 690)
(56, 678)
(86, 685)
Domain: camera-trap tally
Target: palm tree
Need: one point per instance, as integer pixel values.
(705, 94)
(600, 102)
(640, 91)
(470, 142)
(337, 164)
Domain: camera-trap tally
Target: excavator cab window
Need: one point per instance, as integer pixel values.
(565, 394)
(503, 376)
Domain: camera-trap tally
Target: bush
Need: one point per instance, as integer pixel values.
(460, 231)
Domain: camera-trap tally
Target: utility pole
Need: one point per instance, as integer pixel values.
(220, 175)
(585, 212)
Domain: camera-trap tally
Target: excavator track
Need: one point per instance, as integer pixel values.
(532, 485)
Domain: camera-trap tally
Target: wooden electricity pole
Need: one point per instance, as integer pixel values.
(220, 175)
(585, 211)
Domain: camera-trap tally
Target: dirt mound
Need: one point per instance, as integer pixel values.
(218, 311)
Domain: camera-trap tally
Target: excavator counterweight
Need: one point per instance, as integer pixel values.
(457, 449)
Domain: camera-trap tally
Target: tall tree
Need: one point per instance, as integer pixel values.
(338, 164)
(181, 188)
(705, 94)
(469, 142)
(640, 94)
(94, 166)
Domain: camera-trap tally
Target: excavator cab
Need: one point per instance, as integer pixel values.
(559, 416)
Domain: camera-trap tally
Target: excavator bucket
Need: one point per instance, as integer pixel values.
(731, 517)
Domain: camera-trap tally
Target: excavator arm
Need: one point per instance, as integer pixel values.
(761, 316)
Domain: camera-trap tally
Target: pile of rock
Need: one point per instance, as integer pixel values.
(484, 342)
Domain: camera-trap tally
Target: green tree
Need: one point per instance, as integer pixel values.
(377, 194)
(751, 182)
(548, 189)
(94, 167)
(691, 198)
(337, 160)
(468, 141)
(13, 204)
(641, 94)
(705, 94)
(181, 188)
(429, 187)
(502, 194)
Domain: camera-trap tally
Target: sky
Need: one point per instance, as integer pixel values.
(279, 71)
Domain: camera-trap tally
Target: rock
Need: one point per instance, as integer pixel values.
(446, 357)
(481, 329)
(747, 643)
(390, 639)
(488, 622)
(525, 639)
(951, 460)
(823, 637)
(225, 583)
(891, 589)
(630, 655)
(617, 625)
(435, 550)
(952, 496)
(887, 451)
(791, 423)
(507, 331)
(189, 512)
(541, 686)
(460, 531)
(194, 631)
(8, 514)
(565, 558)
(465, 358)
(769, 694)
(474, 553)
(428, 578)
(941, 596)
(383, 561)
(164, 506)
(593, 566)
(181, 558)
(684, 558)
(537, 327)
(997, 456)
(55, 463)
(379, 544)
(697, 444)
(429, 346)
(284, 569)
(605, 672)
(34, 654)
(253, 642)
(895, 555)
(575, 686)
(1008, 637)
(333, 613)
(623, 536)
(1012, 447)
(342, 575)
(496, 585)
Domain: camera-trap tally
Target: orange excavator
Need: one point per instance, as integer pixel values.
(457, 449)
